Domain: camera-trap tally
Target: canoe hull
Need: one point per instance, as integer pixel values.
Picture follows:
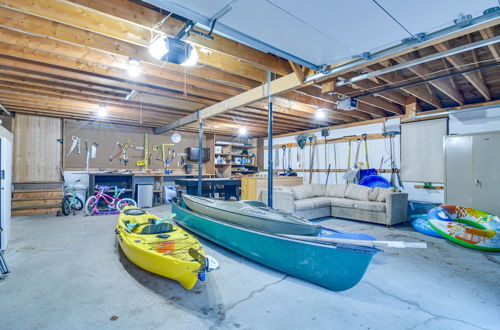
(333, 267)
(248, 216)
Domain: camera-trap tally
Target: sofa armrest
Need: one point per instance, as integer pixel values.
(396, 208)
(282, 200)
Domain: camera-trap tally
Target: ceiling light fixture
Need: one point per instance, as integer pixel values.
(173, 51)
(243, 131)
(134, 68)
(320, 114)
(102, 112)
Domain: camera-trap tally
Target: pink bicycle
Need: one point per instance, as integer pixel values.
(114, 203)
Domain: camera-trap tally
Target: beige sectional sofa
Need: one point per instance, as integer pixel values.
(378, 205)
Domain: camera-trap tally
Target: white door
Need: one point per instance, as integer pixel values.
(5, 190)
(486, 173)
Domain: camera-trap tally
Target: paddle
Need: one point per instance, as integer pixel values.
(385, 244)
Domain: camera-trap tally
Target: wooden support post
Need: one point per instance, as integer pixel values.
(411, 107)
(328, 87)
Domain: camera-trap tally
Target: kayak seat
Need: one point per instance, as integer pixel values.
(161, 228)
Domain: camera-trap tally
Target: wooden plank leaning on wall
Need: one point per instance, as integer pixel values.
(37, 152)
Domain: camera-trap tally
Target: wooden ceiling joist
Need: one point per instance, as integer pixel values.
(136, 14)
(64, 58)
(494, 48)
(472, 77)
(421, 70)
(419, 91)
(91, 20)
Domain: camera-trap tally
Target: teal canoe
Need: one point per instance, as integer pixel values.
(251, 214)
(333, 266)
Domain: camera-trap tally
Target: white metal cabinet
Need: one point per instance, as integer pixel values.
(472, 171)
(486, 172)
(5, 185)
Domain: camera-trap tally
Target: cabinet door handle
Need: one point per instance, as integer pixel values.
(477, 183)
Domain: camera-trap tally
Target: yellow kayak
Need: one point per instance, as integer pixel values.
(160, 247)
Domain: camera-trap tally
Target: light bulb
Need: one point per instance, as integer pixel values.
(158, 48)
(320, 114)
(134, 68)
(193, 56)
(102, 112)
(243, 130)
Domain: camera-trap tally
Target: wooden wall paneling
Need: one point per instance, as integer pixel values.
(37, 152)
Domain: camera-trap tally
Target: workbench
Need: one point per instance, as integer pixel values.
(231, 187)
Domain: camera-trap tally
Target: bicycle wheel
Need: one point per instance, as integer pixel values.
(66, 205)
(91, 205)
(124, 202)
(77, 204)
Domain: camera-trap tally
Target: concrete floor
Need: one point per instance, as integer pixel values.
(68, 274)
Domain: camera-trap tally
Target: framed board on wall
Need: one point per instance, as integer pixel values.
(422, 152)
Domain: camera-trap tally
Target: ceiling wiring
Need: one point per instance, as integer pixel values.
(394, 19)
(320, 31)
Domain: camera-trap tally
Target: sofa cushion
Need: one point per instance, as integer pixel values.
(341, 202)
(383, 193)
(335, 190)
(373, 195)
(319, 189)
(357, 192)
(370, 206)
(304, 204)
(321, 202)
(303, 191)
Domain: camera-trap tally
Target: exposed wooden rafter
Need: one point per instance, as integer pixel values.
(472, 77)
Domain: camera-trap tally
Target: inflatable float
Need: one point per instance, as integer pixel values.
(421, 224)
(466, 226)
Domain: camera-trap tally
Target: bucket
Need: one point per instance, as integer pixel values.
(188, 168)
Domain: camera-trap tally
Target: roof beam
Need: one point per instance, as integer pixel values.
(472, 77)
(107, 24)
(486, 34)
(277, 86)
(86, 40)
(369, 100)
(369, 110)
(370, 85)
(423, 71)
(96, 59)
(137, 14)
(107, 75)
(418, 91)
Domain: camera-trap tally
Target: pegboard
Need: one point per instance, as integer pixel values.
(107, 135)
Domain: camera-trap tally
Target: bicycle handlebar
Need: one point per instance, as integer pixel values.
(106, 188)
